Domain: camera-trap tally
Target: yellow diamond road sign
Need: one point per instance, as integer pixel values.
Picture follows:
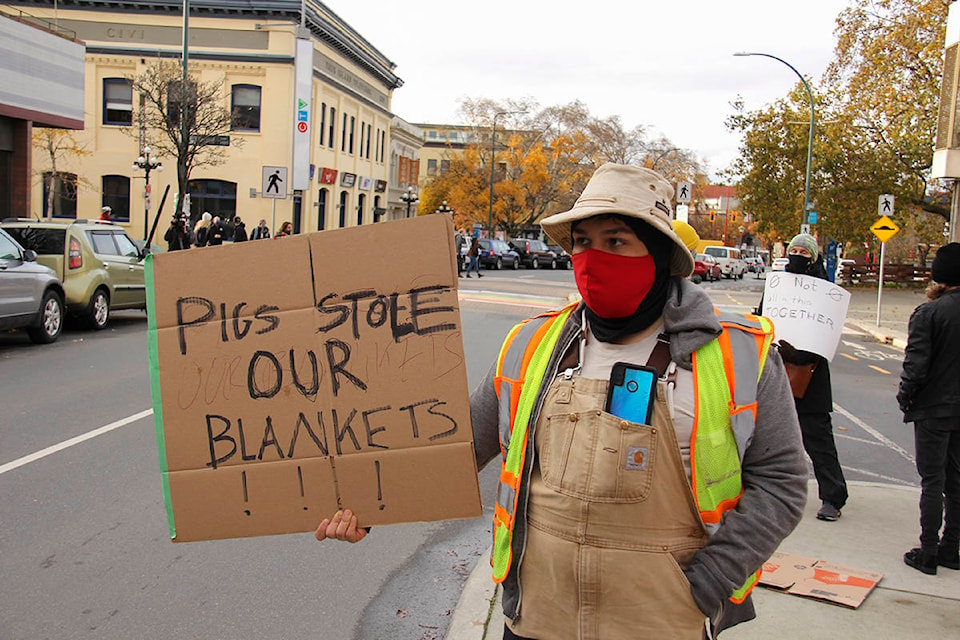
(884, 228)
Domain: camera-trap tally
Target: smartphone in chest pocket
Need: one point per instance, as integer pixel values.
(631, 392)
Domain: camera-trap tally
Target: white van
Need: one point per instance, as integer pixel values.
(731, 264)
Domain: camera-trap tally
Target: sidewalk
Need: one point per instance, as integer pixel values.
(879, 523)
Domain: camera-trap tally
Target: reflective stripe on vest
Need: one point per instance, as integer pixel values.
(725, 374)
(520, 369)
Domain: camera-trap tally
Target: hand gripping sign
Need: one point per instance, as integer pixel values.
(311, 377)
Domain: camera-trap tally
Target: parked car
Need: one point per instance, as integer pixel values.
(779, 264)
(534, 254)
(31, 295)
(731, 264)
(564, 261)
(705, 267)
(496, 254)
(100, 266)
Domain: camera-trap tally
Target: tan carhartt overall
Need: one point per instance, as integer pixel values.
(611, 521)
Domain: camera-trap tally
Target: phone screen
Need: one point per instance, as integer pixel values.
(631, 392)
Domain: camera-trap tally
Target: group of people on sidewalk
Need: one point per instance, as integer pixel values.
(210, 230)
(615, 524)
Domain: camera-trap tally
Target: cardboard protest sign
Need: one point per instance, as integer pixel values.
(819, 579)
(807, 312)
(296, 376)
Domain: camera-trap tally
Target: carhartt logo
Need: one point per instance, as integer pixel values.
(637, 458)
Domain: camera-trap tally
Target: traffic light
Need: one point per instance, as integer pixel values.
(733, 216)
(713, 216)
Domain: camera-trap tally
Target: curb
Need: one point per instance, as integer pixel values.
(880, 335)
(470, 618)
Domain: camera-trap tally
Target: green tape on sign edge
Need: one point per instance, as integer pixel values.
(155, 397)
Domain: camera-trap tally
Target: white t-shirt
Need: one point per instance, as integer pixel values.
(599, 358)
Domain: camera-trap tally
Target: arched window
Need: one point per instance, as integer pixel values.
(361, 203)
(64, 188)
(343, 209)
(322, 209)
(116, 195)
(219, 197)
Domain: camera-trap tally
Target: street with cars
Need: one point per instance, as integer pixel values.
(85, 551)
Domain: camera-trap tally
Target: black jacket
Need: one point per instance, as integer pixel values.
(930, 380)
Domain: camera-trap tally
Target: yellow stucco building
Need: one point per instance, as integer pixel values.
(332, 138)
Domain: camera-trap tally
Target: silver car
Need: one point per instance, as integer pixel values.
(31, 295)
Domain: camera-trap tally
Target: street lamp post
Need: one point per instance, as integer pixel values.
(148, 163)
(410, 198)
(493, 145)
(806, 190)
(443, 208)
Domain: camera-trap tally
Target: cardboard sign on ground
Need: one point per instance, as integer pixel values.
(807, 312)
(819, 579)
(296, 376)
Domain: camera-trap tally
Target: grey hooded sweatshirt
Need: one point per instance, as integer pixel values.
(774, 470)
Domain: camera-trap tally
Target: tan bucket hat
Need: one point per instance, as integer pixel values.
(636, 192)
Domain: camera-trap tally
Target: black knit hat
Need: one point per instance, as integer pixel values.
(946, 265)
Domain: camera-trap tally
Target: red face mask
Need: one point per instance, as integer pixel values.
(613, 286)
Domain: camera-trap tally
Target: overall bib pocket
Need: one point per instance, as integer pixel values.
(598, 457)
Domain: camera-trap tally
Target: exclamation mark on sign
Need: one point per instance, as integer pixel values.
(379, 488)
(246, 498)
(300, 477)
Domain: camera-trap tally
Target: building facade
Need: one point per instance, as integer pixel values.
(405, 144)
(306, 92)
(43, 71)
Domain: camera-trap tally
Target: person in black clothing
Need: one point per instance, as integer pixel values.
(217, 233)
(239, 230)
(178, 235)
(815, 406)
(261, 231)
(929, 396)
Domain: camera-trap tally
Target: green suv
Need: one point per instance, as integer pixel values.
(100, 266)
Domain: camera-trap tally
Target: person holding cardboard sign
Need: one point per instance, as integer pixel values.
(609, 525)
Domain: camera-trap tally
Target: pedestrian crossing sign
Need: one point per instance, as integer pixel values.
(884, 228)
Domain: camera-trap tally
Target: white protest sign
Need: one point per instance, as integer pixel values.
(807, 312)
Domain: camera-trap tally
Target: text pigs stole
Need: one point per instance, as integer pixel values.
(313, 377)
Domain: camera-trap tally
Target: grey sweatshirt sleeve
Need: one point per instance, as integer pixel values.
(484, 412)
(774, 495)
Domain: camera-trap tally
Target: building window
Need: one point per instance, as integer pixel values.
(444, 166)
(333, 123)
(432, 135)
(323, 121)
(363, 131)
(432, 167)
(343, 136)
(368, 141)
(219, 197)
(343, 209)
(245, 108)
(353, 123)
(361, 203)
(117, 101)
(64, 194)
(322, 209)
(174, 94)
(377, 151)
(116, 195)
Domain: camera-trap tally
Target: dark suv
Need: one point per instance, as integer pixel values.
(564, 261)
(534, 254)
(100, 266)
(497, 254)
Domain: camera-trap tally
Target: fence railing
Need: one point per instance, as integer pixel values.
(870, 274)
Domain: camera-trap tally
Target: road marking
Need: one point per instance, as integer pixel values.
(878, 369)
(66, 444)
(847, 355)
(879, 476)
(856, 439)
(887, 442)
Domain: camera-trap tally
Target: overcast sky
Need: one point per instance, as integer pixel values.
(666, 65)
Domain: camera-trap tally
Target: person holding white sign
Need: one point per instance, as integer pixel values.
(814, 407)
